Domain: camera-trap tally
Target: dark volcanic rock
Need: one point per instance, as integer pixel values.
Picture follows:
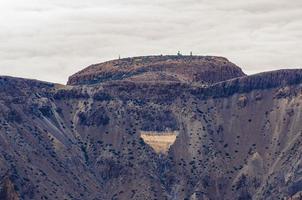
(267, 80)
(238, 137)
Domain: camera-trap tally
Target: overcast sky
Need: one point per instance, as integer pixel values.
(52, 39)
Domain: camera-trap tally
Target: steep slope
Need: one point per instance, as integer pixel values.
(236, 139)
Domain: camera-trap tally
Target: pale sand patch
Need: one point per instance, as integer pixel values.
(159, 141)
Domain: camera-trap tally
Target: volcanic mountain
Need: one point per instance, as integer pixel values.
(186, 69)
(153, 127)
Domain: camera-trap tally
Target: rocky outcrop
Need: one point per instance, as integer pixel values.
(262, 81)
(7, 190)
(200, 69)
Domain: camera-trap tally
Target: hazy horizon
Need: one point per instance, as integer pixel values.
(50, 40)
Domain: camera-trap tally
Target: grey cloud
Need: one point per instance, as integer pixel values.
(39, 38)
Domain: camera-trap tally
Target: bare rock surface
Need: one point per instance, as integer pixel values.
(238, 137)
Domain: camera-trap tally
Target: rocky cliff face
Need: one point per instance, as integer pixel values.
(236, 139)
